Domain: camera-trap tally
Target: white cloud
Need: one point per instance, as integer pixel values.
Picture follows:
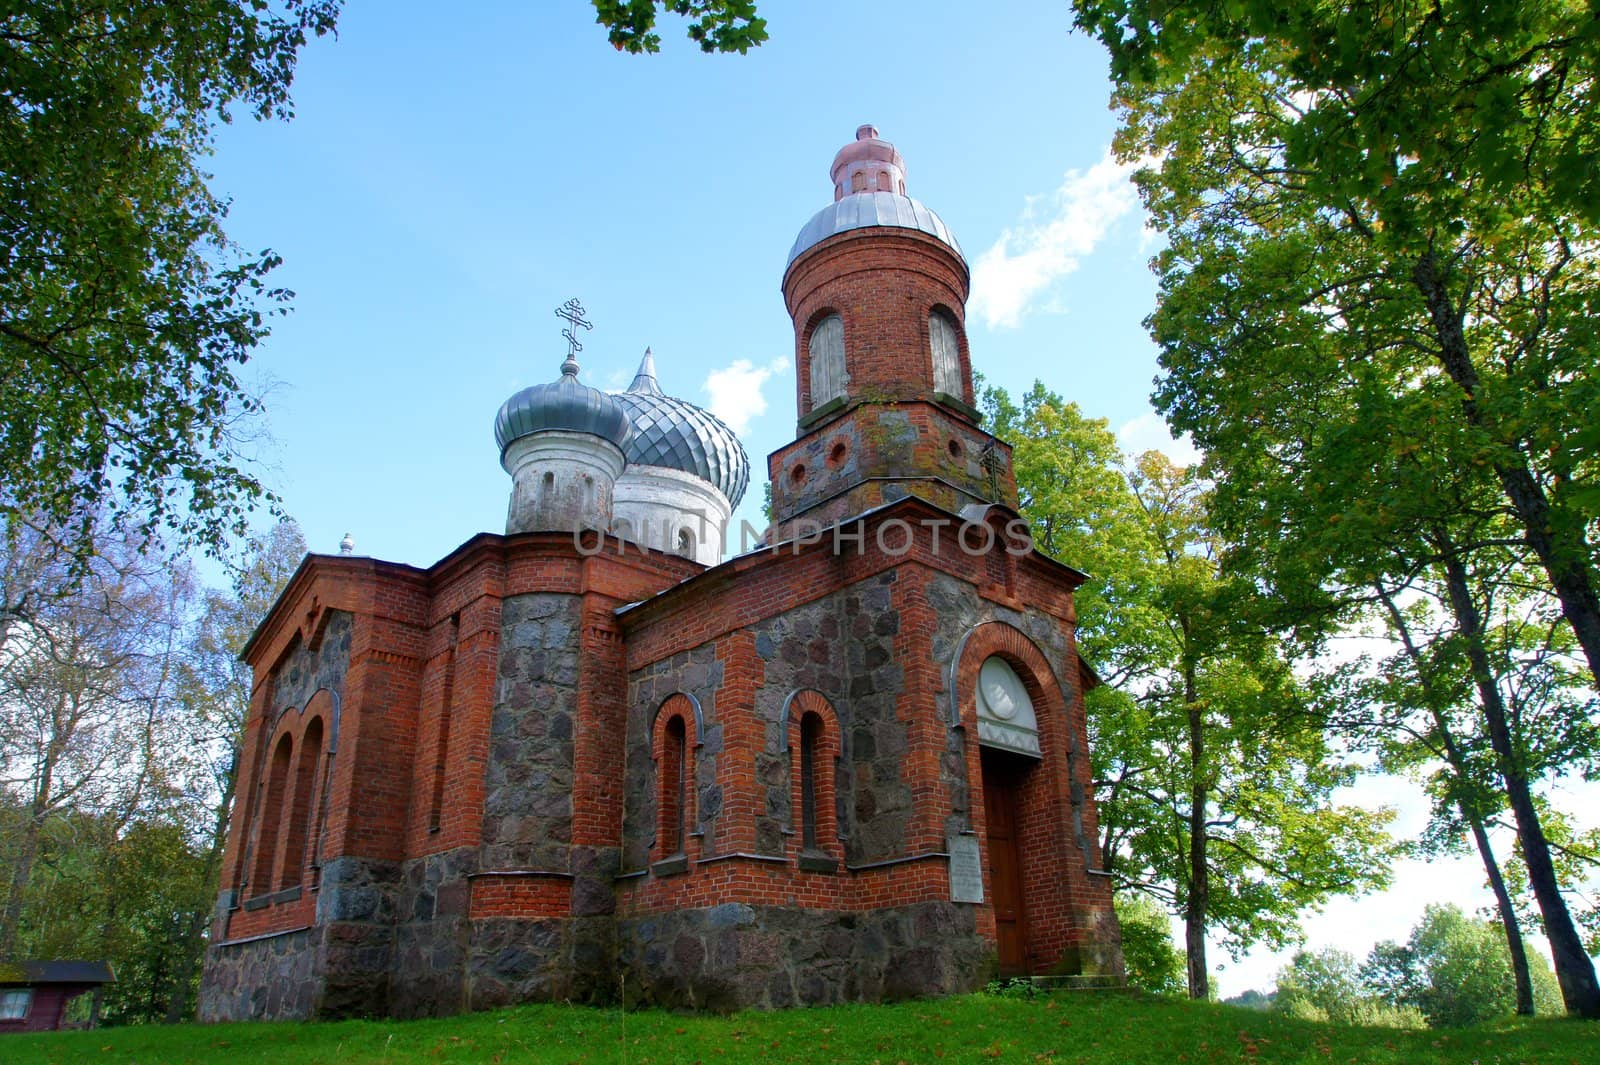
(1030, 257)
(1148, 432)
(735, 391)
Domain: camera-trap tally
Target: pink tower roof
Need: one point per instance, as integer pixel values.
(869, 190)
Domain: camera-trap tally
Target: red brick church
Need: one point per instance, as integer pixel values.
(590, 758)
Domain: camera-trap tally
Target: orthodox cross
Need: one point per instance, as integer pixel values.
(573, 312)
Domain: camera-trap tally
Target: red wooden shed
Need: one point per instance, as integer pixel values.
(34, 994)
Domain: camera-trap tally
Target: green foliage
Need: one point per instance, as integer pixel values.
(1079, 1027)
(715, 25)
(125, 312)
(1202, 728)
(1013, 987)
(121, 893)
(121, 700)
(1380, 322)
(1326, 986)
(1577, 860)
(1153, 961)
(1455, 971)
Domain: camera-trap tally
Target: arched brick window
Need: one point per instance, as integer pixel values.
(810, 753)
(301, 806)
(674, 779)
(944, 338)
(269, 815)
(675, 735)
(814, 749)
(827, 360)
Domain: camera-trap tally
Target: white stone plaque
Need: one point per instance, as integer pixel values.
(966, 869)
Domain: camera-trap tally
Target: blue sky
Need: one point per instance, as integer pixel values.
(455, 173)
(449, 181)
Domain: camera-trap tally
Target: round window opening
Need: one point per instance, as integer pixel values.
(1002, 691)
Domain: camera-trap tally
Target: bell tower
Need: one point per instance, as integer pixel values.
(876, 287)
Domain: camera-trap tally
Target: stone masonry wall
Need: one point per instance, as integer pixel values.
(843, 647)
(307, 670)
(697, 673)
(432, 934)
(736, 955)
(528, 782)
(272, 978)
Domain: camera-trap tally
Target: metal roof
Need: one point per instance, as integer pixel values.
(675, 433)
(564, 404)
(55, 972)
(864, 209)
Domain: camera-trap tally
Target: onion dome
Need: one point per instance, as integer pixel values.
(677, 434)
(869, 189)
(564, 404)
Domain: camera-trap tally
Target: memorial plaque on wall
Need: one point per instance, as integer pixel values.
(966, 869)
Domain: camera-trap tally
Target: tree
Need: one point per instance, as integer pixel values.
(716, 25)
(1423, 711)
(1455, 970)
(1326, 985)
(1357, 273)
(85, 682)
(125, 311)
(1213, 780)
(213, 687)
(121, 702)
(1152, 962)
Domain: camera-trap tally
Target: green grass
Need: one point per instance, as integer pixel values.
(1093, 1029)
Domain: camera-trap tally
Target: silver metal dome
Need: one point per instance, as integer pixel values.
(563, 404)
(863, 209)
(677, 434)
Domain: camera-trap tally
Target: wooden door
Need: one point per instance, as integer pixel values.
(1005, 874)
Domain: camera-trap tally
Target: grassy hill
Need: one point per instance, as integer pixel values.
(1070, 1028)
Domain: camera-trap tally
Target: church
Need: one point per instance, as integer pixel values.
(615, 755)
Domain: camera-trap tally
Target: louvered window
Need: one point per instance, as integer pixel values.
(946, 354)
(827, 361)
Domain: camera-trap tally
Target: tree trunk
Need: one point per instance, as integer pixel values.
(1574, 970)
(1563, 552)
(11, 921)
(1195, 905)
(1458, 765)
(38, 810)
(194, 943)
(1508, 914)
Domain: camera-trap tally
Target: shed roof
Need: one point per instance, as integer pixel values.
(55, 972)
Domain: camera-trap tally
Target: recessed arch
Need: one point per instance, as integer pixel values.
(813, 742)
(682, 702)
(676, 731)
(989, 638)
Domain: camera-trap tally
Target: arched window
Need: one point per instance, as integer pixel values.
(674, 786)
(827, 360)
(810, 749)
(858, 182)
(943, 337)
(685, 542)
(270, 815)
(302, 805)
(814, 752)
(883, 181)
